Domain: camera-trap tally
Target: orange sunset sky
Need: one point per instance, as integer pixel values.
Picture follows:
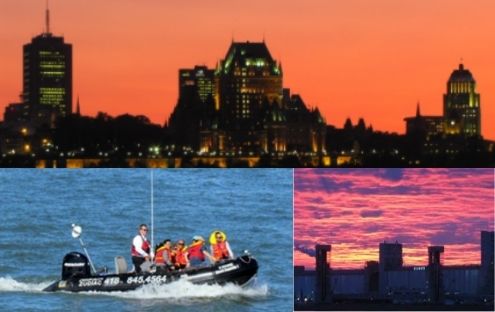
(354, 58)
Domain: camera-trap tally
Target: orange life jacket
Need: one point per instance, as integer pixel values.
(180, 256)
(220, 251)
(195, 251)
(159, 258)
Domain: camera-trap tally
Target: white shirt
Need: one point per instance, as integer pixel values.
(137, 242)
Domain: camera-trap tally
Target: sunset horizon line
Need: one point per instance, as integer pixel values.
(408, 254)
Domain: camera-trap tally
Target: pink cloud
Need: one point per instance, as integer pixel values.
(356, 209)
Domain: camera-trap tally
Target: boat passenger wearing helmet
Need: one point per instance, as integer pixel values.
(197, 252)
(140, 248)
(180, 252)
(163, 255)
(220, 248)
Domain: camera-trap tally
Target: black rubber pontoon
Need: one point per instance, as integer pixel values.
(76, 275)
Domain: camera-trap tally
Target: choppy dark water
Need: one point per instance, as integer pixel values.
(37, 207)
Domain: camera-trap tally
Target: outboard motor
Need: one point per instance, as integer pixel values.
(75, 264)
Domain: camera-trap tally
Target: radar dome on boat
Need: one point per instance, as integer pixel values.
(76, 230)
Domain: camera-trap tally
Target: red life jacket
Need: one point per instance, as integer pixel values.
(195, 251)
(159, 258)
(220, 251)
(173, 255)
(144, 246)
(180, 256)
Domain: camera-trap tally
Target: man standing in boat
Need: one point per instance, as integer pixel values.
(140, 249)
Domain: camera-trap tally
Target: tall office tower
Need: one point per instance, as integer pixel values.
(461, 108)
(249, 81)
(487, 254)
(435, 283)
(202, 78)
(322, 273)
(48, 74)
(390, 258)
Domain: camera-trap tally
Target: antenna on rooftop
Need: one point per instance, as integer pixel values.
(47, 18)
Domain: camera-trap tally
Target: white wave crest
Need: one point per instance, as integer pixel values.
(9, 284)
(181, 291)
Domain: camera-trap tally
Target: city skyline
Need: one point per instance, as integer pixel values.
(327, 77)
(356, 210)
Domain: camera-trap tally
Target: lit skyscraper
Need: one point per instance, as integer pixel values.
(47, 84)
(462, 104)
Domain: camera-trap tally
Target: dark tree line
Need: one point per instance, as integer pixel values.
(103, 133)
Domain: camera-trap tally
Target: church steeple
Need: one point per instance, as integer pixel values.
(78, 107)
(418, 113)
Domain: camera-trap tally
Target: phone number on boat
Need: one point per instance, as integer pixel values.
(155, 279)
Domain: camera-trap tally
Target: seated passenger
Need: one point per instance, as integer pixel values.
(220, 248)
(180, 251)
(197, 252)
(163, 255)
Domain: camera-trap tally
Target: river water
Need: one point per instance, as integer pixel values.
(37, 208)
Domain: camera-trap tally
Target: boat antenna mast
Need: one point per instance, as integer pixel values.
(152, 218)
(76, 233)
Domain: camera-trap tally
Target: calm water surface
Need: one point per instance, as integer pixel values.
(37, 208)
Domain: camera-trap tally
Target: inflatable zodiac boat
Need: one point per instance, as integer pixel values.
(78, 273)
